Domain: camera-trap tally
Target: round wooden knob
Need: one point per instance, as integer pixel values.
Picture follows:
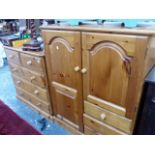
(14, 69)
(32, 78)
(77, 68)
(11, 56)
(36, 92)
(84, 70)
(38, 104)
(18, 82)
(102, 116)
(38, 61)
(29, 62)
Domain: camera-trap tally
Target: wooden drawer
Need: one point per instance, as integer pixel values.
(32, 77)
(16, 70)
(107, 117)
(33, 63)
(33, 100)
(12, 56)
(90, 131)
(18, 82)
(93, 126)
(32, 89)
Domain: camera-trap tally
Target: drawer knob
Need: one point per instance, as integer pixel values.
(18, 82)
(14, 69)
(102, 116)
(84, 70)
(36, 92)
(77, 68)
(32, 78)
(38, 104)
(29, 62)
(11, 56)
(38, 61)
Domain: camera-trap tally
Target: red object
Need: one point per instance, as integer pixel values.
(12, 124)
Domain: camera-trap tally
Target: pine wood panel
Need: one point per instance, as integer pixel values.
(90, 131)
(108, 70)
(127, 42)
(34, 78)
(34, 100)
(102, 29)
(16, 70)
(19, 50)
(112, 119)
(38, 105)
(12, 56)
(32, 89)
(33, 63)
(98, 127)
(107, 105)
(63, 54)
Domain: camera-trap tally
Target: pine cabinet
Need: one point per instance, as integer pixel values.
(96, 77)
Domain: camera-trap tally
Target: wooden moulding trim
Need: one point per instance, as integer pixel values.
(107, 105)
(110, 45)
(64, 90)
(62, 41)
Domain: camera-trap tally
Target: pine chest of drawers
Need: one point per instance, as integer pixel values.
(30, 78)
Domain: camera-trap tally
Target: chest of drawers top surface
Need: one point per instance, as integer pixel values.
(102, 29)
(39, 53)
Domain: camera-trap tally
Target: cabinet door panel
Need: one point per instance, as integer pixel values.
(108, 72)
(63, 55)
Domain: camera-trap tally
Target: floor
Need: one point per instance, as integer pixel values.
(8, 95)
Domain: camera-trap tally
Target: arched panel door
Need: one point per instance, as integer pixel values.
(63, 55)
(107, 76)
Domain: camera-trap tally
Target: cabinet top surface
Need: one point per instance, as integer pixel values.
(99, 28)
(39, 53)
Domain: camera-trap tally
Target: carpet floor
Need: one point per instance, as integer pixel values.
(8, 96)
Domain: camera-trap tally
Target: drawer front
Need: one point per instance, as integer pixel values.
(36, 79)
(18, 82)
(33, 100)
(12, 56)
(33, 63)
(16, 70)
(90, 131)
(32, 89)
(107, 117)
(93, 126)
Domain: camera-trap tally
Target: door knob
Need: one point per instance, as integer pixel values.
(18, 82)
(77, 68)
(103, 116)
(32, 78)
(29, 62)
(84, 70)
(36, 92)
